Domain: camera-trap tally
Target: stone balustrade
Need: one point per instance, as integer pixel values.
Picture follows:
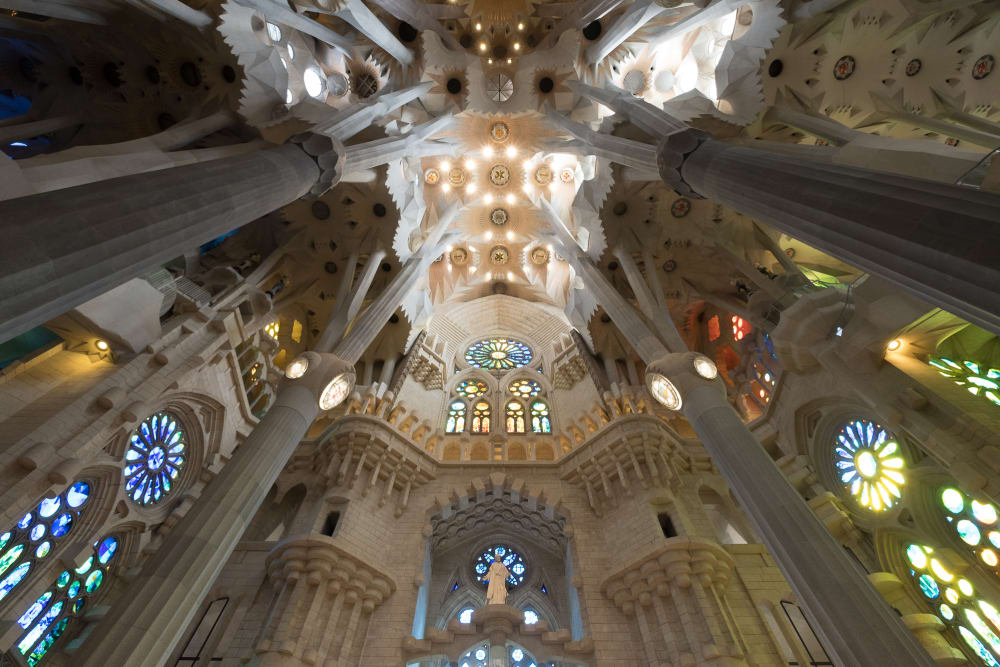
(677, 596)
(321, 597)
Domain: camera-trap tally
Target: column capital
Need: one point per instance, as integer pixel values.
(328, 154)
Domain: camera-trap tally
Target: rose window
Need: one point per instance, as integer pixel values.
(155, 457)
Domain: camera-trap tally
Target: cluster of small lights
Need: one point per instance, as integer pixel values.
(868, 462)
(977, 378)
(975, 523)
(740, 327)
(956, 603)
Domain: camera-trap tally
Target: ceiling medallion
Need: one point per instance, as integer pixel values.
(566, 175)
(844, 67)
(500, 87)
(635, 82)
(456, 176)
(499, 254)
(499, 131)
(432, 176)
(459, 256)
(982, 68)
(539, 255)
(499, 216)
(680, 208)
(543, 175)
(913, 67)
(499, 175)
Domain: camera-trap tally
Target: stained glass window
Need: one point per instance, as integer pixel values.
(515, 417)
(481, 417)
(954, 599)
(37, 533)
(154, 458)
(525, 388)
(530, 617)
(540, 422)
(471, 388)
(510, 558)
(465, 616)
(975, 523)
(45, 620)
(520, 658)
(498, 354)
(456, 418)
(272, 329)
(475, 656)
(740, 328)
(869, 464)
(978, 379)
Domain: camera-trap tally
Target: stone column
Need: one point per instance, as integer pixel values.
(935, 240)
(142, 630)
(65, 247)
(657, 314)
(856, 626)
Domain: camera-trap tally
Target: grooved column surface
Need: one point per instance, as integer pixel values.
(65, 247)
(936, 240)
(141, 629)
(853, 621)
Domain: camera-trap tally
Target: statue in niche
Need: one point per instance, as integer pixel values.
(496, 591)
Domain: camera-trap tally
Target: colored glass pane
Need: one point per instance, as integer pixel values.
(869, 464)
(977, 378)
(481, 417)
(525, 388)
(94, 581)
(85, 567)
(928, 586)
(28, 617)
(471, 388)
(78, 494)
(511, 559)
(540, 422)
(968, 532)
(61, 525)
(515, 417)
(48, 507)
(63, 579)
(465, 616)
(530, 617)
(13, 579)
(74, 589)
(43, 646)
(985, 513)
(953, 500)
(10, 557)
(43, 549)
(154, 458)
(498, 354)
(41, 626)
(978, 647)
(456, 418)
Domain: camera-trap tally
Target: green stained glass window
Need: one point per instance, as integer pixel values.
(975, 523)
(978, 379)
(498, 354)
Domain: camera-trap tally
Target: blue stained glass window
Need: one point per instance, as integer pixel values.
(154, 459)
(511, 559)
(498, 354)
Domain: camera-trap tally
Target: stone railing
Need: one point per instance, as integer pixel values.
(677, 596)
(323, 598)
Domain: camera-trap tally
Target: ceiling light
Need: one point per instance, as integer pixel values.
(510, 60)
(490, 61)
(446, 166)
(472, 269)
(446, 188)
(706, 368)
(511, 151)
(527, 189)
(470, 164)
(489, 235)
(517, 46)
(664, 391)
(894, 345)
(482, 46)
(488, 199)
(510, 199)
(449, 268)
(488, 151)
(449, 248)
(510, 236)
(297, 368)
(102, 345)
(520, 26)
(510, 276)
(334, 393)
(314, 81)
(470, 188)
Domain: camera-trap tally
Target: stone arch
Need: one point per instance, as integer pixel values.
(516, 451)
(479, 451)
(544, 452)
(452, 452)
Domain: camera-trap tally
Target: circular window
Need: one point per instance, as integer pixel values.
(510, 558)
(869, 464)
(155, 457)
(498, 354)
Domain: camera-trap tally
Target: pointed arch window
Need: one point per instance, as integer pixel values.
(540, 421)
(515, 417)
(45, 620)
(456, 417)
(481, 417)
(33, 538)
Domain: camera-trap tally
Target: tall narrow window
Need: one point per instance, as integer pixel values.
(666, 525)
(540, 422)
(199, 638)
(456, 418)
(46, 619)
(817, 655)
(330, 524)
(481, 417)
(37, 533)
(515, 417)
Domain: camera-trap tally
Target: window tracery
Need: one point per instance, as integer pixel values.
(498, 354)
(540, 422)
(975, 523)
(515, 417)
(481, 417)
(977, 378)
(510, 558)
(37, 533)
(46, 619)
(456, 418)
(471, 388)
(525, 388)
(869, 464)
(154, 458)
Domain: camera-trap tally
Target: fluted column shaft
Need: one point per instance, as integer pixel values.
(935, 240)
(856, 626)
(65, 247)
